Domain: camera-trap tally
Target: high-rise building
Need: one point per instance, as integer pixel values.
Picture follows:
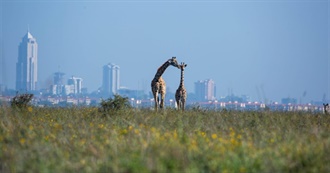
(58, 78)
(57, 87)
(77, 84)
(205, 90)
(27, 64)
(110, 85)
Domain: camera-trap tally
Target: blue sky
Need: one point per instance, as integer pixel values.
(279, 46)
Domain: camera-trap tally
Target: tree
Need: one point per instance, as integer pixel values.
(114, 104)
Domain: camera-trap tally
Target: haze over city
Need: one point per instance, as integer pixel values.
(280, 47)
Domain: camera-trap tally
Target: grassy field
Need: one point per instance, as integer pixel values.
(85, 140)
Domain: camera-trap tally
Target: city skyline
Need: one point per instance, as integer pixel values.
(204, 90)
(262, 49)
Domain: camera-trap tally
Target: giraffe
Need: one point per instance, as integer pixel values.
(181, 92)
(326, 108)
(158, 85)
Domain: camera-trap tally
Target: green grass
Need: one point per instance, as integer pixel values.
(85, 140)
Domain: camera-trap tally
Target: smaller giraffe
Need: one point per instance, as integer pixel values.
(181, 92)
(326, 108)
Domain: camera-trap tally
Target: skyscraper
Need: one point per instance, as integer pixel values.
(205, 90)
(110, 83)
(77, 84)
(58, 78)
(57, 87)
(27, 64)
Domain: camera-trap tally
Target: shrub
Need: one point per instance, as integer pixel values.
(114, 104)
(21, 101)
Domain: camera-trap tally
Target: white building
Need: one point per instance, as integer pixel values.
(205, 90)
(110, 84)
(76, 83)
(68, 89)
(27, 64)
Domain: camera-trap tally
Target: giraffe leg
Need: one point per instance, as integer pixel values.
(183, 104)
(156, 100)
(178, 104)
(162, 93)
(162, 104)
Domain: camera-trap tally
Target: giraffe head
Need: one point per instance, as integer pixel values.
(182, 66)
(173, 62)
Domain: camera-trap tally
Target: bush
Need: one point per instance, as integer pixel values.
(21, 101)
(114, 104)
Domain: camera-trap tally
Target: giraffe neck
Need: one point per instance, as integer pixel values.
(182, 79)
(161, 70)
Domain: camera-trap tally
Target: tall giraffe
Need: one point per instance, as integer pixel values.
(181, 92)
(158, 85)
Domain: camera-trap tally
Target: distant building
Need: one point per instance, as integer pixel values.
(58, 78)
(27, 64)
(234, 98)
(110, 84)
(68, 89)
(2, 88)
(136, 94)
(205, 90)
(289, 101)
(76, 83)
(73, 86)
(53, 89)
(57, 87)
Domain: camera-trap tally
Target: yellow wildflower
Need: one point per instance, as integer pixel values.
(123, 131)
(107, 141)
(153, 129)
(83, 161)
(242, 169)
(193, 145)
(82, 142)
(22, 141)
(136, 131)
(30, 109)
(141, 125)
(175, 134)
(214, 136)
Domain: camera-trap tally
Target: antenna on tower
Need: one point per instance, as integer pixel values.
(28, 28)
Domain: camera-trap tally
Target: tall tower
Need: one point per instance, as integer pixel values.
(110, 85)
(27, 64)
(205, 90)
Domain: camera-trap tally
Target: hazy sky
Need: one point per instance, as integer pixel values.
(278, 46)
